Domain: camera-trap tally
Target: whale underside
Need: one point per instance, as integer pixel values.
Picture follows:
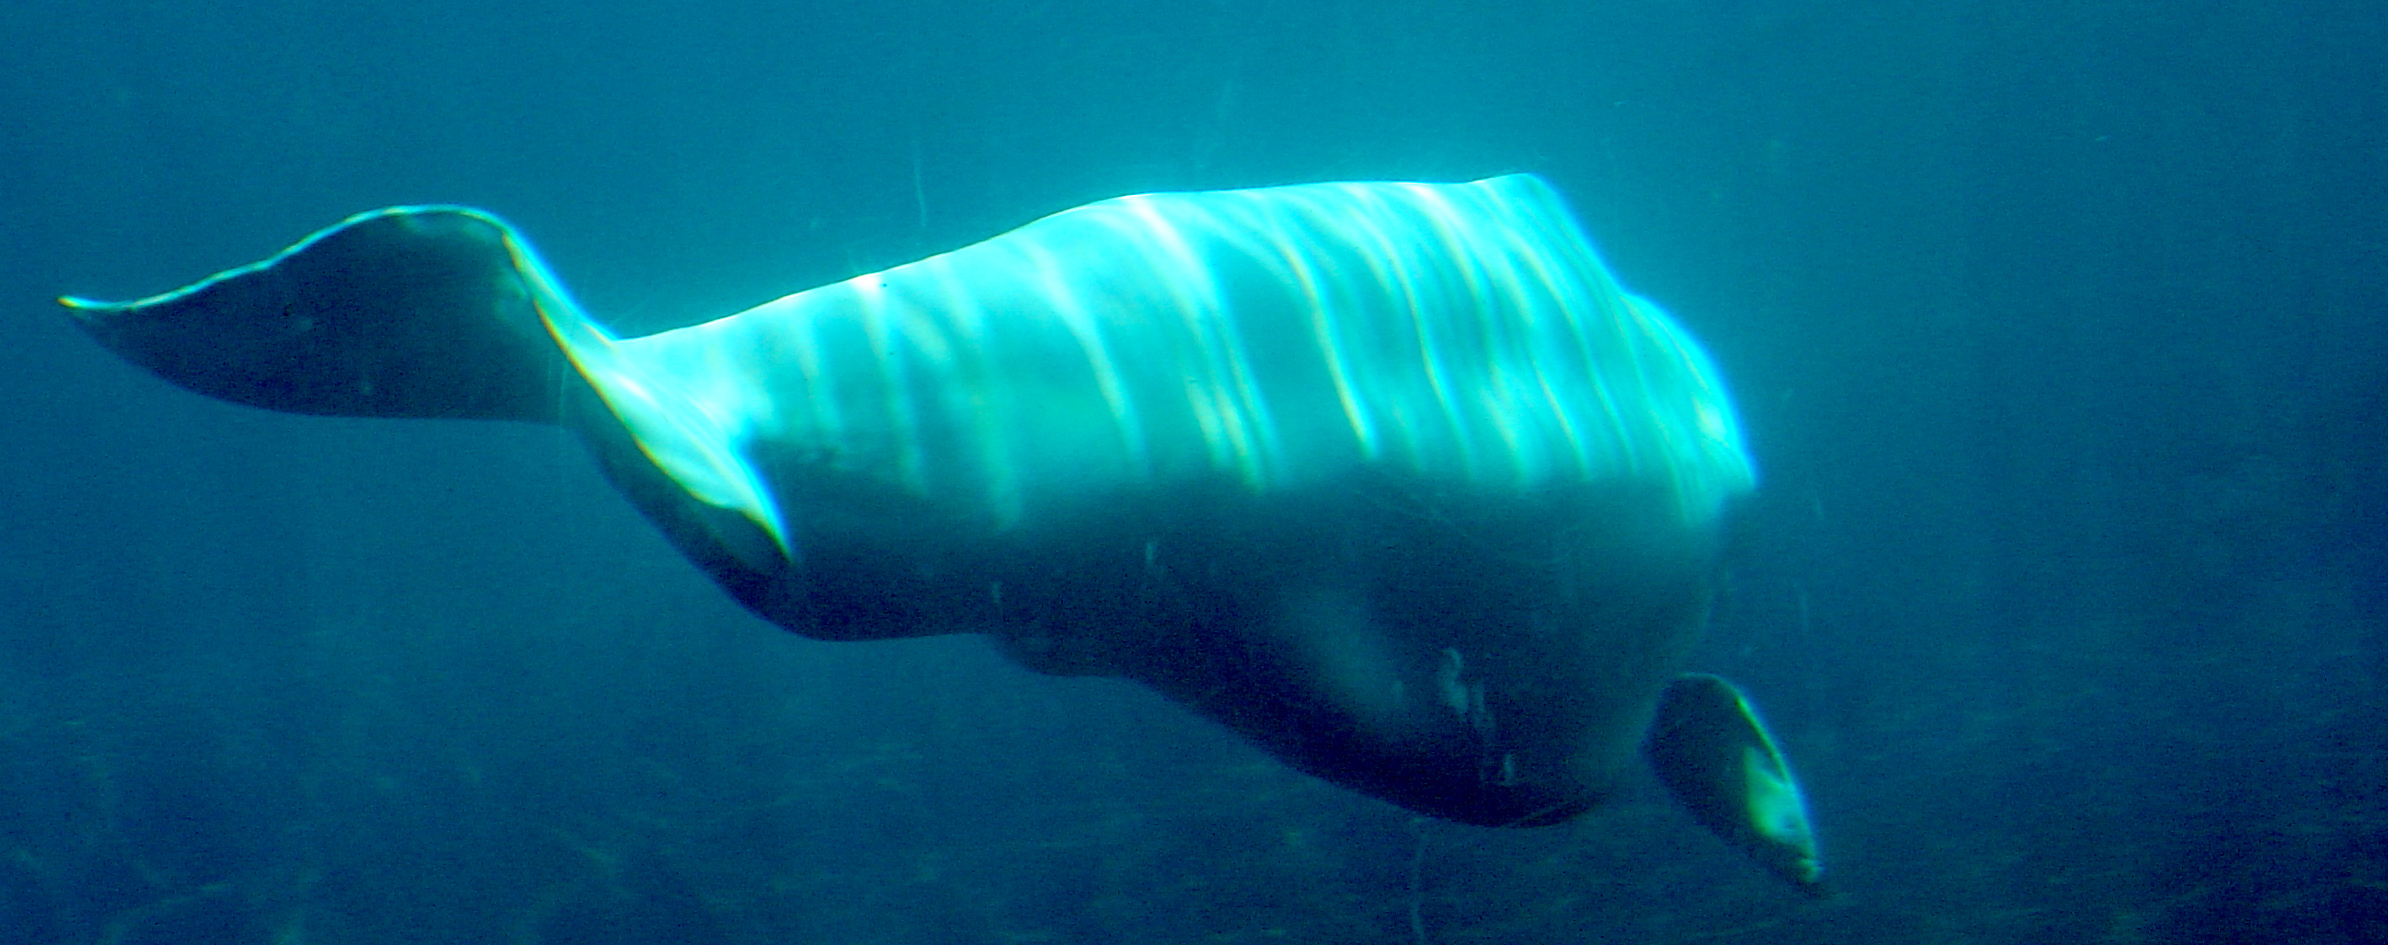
(1393, 480)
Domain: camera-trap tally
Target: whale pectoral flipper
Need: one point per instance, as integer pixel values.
(403, 312)
(1716, 758)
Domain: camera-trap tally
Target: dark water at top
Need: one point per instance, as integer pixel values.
(2058, 328)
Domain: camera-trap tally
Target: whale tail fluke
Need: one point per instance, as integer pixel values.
(1716, 758)
(445, 312)
(403, 312)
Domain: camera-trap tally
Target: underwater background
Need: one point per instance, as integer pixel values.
(2060, 329)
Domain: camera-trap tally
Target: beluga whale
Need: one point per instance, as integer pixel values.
(1394, 480)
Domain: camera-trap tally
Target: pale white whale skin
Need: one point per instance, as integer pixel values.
(1394, 479)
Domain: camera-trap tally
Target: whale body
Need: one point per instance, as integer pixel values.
(1395, 480)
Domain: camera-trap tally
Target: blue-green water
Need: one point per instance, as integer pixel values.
(2060, 330)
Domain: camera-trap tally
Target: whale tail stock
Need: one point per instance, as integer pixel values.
(429, 312)
(402, 312)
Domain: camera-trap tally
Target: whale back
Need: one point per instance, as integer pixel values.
(1265, 340)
